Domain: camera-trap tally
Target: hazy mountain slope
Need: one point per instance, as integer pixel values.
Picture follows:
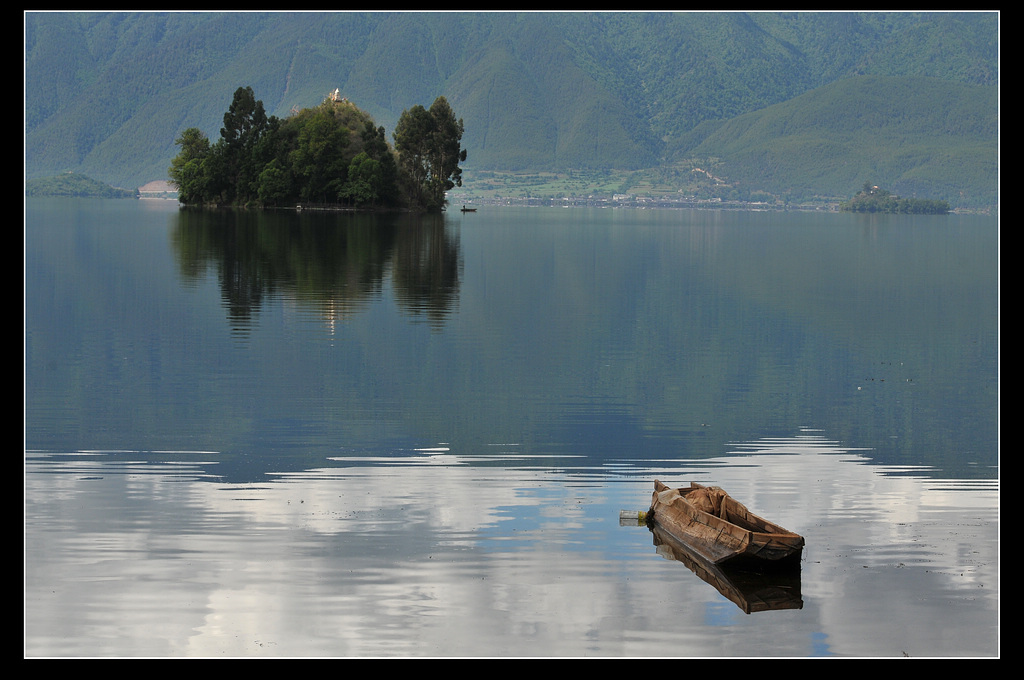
(107, 93)
(681, 69)
(910, 134)
(527, 103)
(959, 46)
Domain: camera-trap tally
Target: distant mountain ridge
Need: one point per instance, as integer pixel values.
(106, 93)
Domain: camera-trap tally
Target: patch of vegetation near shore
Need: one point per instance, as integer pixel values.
(873, 199)
(75, 184)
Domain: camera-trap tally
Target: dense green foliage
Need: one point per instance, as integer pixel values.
(873, 199)
(330, 154)
(74, 184)
(106, 93)
(428, 146)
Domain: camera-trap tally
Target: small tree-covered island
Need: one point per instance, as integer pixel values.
(873, 199)
(330, 155)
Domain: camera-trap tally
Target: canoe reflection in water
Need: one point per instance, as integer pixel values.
(751, 561)
(750, 591)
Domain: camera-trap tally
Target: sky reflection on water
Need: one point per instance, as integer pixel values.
(432, 554)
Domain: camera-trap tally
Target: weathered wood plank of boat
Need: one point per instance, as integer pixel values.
(720, 528)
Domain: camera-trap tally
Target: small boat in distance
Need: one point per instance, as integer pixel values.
(465, 209)
(721, 529)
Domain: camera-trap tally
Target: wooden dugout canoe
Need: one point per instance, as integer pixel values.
(721, 529)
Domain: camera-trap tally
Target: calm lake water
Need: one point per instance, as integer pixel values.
(272, 434)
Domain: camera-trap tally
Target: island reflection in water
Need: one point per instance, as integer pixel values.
(335, 263)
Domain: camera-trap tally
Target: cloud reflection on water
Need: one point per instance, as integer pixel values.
(437, 553)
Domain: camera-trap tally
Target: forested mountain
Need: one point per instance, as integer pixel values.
(923, 136)
(768, 95)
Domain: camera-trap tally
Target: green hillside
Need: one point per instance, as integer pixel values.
(919, 136)
(107, 93)
(72, 184)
